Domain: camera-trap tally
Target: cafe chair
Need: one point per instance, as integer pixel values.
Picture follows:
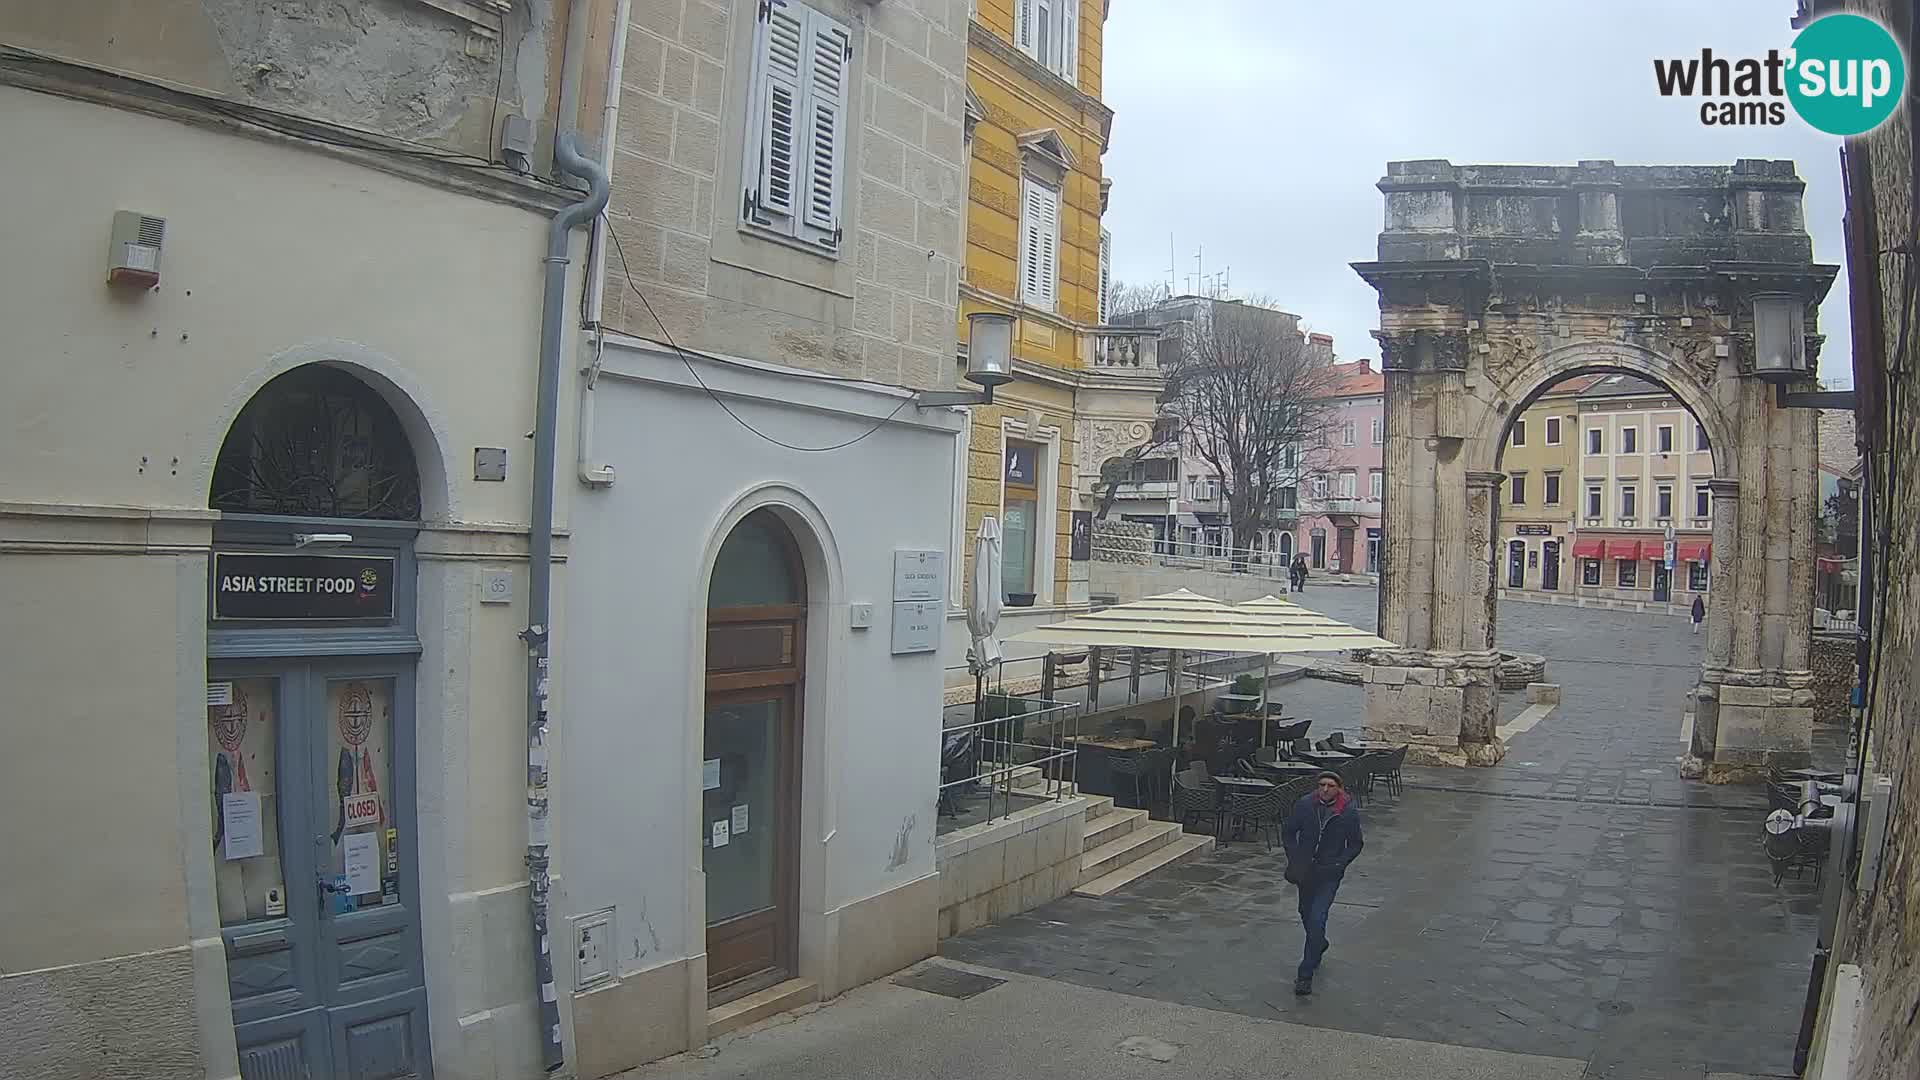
(1195, 798)
(1137, 765)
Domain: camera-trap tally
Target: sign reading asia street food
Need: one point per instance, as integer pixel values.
(302, 586)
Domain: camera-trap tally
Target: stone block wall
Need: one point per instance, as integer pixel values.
(1832, 658)
(1001, 868)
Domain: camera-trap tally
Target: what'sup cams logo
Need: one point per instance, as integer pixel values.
(1844, 75)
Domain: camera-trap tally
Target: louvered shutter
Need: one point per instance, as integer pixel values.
(1106, 276)
(828, 72)
(1070, 40)
(1023, 31)
(774, 178)
(1039, 244)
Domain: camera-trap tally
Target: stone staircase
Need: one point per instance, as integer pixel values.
(1121, 845)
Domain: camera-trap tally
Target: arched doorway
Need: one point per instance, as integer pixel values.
(1496, 282)
(311, 648)
(756, 663)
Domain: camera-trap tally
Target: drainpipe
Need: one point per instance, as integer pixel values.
(591, 473)
(568, 161)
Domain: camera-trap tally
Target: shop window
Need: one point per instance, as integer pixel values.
(1626, 573)
(1697, 576)
(1020, 524)
(1589, 571)
(317, 442)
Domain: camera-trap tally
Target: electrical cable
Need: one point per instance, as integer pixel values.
(620, 251)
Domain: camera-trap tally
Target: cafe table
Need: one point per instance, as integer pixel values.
(1325, 757)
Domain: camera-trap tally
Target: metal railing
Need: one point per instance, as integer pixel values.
(991, 757)
(1200, 555)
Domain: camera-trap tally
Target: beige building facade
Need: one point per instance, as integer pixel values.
(1536, 501)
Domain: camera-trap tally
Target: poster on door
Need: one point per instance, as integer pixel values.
(242, 726)
(359, 718)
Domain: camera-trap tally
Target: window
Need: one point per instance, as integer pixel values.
(1517, 484)
(1292, 457)
(1376, 484)
(1593, 501)
(1626, 573)
(1663, 502)
(1020, 517)
(1519, 436)
(1700, 437)
(1286, 547)
(1317, 548)
(1039, 244)
(1319, 487)
(1553, 431)
(1629, 501)
(1553, 489)
(1349, 483)
(1697, 576)
(1379, 431)
(1663, 438)
(1106, 276)
(1629, 440)
(1049, 31)
(1596, 441)
(1347, 433)
(1589, 571)
(1702, 501)
(796, 131)
(1289, 497)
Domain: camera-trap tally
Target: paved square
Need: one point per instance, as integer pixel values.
(1579, 900)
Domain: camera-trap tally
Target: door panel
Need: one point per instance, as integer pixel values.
(382, 1038)
(1550, 567)
(746, 832)
(292, 1046)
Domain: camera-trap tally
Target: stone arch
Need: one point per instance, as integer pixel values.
(424, 427)
(1536, 377)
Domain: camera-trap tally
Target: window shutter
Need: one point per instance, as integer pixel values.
(774, 176)
(829, 59)
(1070, 41)
(1031, 219)
(1023, 34)
(1106, 276)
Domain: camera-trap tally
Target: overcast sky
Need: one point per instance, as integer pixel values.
(1258, 128)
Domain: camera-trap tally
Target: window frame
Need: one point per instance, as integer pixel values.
(1590, 572)
(1349, 433)
(1629, 503)
(1702, 501)
(1518, 436)
(1517, 489)
(1630, 439)
(1379, 431)
(1596, 441)
(1697, 576)
(1042, 291)
(1553, 431)
(1376, 484)
(1663, 439)
(1626, 573)
(1663, 502)
(1596, 501)
(1550, 489)
(1700, 442)
(1058, 23)
(794, 226)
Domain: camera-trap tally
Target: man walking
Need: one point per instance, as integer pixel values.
(1322, 838)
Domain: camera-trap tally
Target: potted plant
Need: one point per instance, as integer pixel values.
(1020, 599)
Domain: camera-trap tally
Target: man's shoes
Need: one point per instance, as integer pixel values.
(1303, 987)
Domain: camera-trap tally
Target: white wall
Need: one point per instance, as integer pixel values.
(632, 673)
(112, 406)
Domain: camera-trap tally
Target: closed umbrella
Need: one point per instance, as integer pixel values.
(984, 598)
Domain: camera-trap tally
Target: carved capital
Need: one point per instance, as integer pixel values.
(1484, 481)
(1422, 350)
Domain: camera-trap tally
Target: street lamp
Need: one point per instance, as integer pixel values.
(1780, 352)
(989, 362)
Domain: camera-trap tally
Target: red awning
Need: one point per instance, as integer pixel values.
(1589, 549)
(1698, 551)
(1624, 549)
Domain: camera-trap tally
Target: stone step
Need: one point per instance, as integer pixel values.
(1098, 806)
(1111, 826)
(1141, 840)
(1181, 850)
(774, 1000)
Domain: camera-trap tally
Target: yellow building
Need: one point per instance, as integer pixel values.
(1540, 496)
(1034, 249)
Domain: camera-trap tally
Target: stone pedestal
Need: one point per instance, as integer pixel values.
(1444, 706)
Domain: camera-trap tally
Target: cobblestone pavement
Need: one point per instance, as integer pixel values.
(1579, 900)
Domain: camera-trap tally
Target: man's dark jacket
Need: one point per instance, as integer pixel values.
(1317, 854)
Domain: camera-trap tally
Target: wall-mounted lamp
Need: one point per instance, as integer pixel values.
(989, 362)
(1780, 352)
(301, 540)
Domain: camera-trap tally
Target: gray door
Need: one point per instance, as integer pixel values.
(314, 871)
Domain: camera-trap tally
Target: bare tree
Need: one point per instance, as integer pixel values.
(1125, 299)
(1251, 399)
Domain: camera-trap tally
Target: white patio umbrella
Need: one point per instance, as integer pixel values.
(983, 601)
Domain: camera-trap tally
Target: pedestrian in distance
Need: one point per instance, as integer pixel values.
(1322, 838)
(1699, 611)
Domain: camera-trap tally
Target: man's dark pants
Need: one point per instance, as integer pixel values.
(1316, 900)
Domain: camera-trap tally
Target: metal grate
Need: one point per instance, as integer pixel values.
(947, 981)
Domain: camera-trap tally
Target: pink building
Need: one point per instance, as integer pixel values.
(1339, 529)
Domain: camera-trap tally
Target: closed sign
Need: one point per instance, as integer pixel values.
(361, 810)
